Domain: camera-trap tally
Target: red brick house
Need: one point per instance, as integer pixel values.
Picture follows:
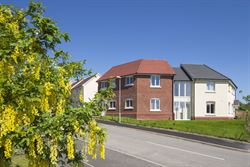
(146, 89)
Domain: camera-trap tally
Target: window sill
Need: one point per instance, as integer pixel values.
(155, 87)
(127, 85)
(210, 115)
(155, 110)
(129, 108)
(112, 109)
(210, 91)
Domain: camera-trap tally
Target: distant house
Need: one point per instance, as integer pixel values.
(87, 88)
(200, 92)
(146, 89)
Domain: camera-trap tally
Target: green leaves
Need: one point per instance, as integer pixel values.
(35, 75)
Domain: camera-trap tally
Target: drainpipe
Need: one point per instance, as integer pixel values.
(119, 108)
(193, 100)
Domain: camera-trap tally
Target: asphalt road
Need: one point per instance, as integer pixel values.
(128, 147)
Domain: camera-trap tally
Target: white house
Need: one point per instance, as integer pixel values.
(200, 92)
(87, 88)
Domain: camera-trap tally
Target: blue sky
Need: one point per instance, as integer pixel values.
(111, 32)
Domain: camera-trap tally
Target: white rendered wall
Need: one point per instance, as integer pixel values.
(90, 88)
(220, 96)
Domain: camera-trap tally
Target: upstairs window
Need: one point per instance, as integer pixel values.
(104, 84)
(128, 104)
(129, 80)
(182, 88)
(155, 81)
(113, 83)
(210, 86)
(188, 89)
(210, 107)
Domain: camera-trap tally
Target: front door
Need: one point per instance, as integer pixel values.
(182, 111)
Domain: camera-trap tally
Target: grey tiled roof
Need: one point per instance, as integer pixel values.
(180, 75)
(202, 71)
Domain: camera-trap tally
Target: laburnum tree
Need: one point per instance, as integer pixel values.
(36, 115)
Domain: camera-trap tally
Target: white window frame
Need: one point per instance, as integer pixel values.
(209, 103)
(111, 107)
(130, 79)
(153, 82)
(178, 85)
(208, 85)
(128, 107)
(152, 107)
(105, 83)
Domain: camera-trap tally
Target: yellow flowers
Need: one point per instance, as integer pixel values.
(53, 153)
(26, 119)
(15, 54)
(2, 18)
(45, 104)
(30, 58)
(102, 151)
(81, 98)
(7, 148)
(7, 121)
(70, 146)
(39, 143)
(60, 106)
(47, 88)
(34, 111)
(36, 72)
(94, 139)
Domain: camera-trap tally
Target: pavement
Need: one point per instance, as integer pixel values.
(139, 148)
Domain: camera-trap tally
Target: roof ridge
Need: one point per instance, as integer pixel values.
(139, 65)
(186, 71)
(216, 71)
(126, 63)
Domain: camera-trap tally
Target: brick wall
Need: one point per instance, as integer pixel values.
(145, 93)
(141, 93)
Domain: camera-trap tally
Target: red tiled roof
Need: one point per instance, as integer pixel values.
(141, 66)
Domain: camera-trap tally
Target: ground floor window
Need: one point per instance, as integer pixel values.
(182, 110)
(210, 107)
(155, 104)
(112, 105)
(129, 104)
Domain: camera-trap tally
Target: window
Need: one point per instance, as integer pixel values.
(155, 104)
(113, 83)
(210, 107)
(112, 105)
(210, 86)
(104, 84)
(176, 106)
(129, 81)
(176, 88)
(182, 88)
(188, 89)
(129, 104)
(155, 81)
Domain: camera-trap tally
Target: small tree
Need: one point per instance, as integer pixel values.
(36, 115)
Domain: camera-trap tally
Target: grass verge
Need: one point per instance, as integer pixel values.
(231, 129)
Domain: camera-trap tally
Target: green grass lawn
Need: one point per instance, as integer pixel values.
(231, 129)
